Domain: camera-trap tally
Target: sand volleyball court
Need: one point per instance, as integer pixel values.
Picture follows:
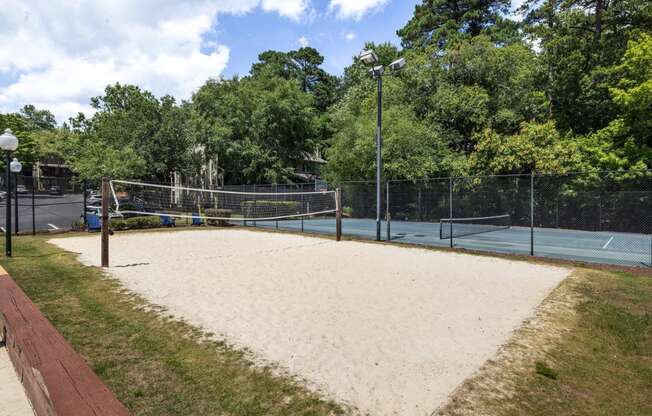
(390, 330)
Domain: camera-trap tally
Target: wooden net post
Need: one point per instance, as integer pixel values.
(338, 214)
(106, 191)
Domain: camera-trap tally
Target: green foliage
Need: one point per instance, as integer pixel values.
(411, 149)
(535, 148)
(136, 223)
(257, 127)
(438, 22)
(26, 152)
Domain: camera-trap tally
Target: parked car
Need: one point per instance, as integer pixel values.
(55, 190)
(3, 195)
(21, 189)
(94, 200)
(98, 211)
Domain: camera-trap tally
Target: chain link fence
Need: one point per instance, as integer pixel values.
(42, 203)
(603, 217)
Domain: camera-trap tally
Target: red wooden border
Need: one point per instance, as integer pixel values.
(57, 380)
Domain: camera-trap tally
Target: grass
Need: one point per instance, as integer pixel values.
(155, 365)
(588, 351)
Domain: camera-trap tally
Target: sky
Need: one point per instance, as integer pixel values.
(58, 54)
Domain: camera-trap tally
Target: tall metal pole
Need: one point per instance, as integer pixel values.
(8, 220)
(388, 215)
(33, 207)
(16, 205)
(450, 208)
(379, 159)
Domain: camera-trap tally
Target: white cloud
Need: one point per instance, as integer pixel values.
(355, 9)
(59, 54)
(304, 42)
(294, 9)
(349, 36)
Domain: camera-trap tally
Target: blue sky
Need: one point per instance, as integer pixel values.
(248, 35)
(57, 55)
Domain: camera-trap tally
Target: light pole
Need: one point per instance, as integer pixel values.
(15, 166)
(369, 58)
(8, 143)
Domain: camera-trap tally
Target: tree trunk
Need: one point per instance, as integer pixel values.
(599, 7)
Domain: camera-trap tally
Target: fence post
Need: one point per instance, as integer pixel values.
(33, 207)
(387, 213)
(105, 221)
(532, 214)
(338, 214)
(450, 205)
(85, 185)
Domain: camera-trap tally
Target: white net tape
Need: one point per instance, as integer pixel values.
(138, 198)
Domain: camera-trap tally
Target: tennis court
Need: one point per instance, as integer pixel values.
(588, 246)
(386, 329)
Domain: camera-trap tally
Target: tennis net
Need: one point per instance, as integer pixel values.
(463, 227)
(138, 198)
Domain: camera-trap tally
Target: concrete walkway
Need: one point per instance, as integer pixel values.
(12, 395)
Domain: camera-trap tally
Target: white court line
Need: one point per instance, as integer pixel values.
(608, 242)
(53, 226)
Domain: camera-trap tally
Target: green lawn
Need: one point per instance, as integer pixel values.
(588, 352)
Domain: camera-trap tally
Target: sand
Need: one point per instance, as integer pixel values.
(390, 330)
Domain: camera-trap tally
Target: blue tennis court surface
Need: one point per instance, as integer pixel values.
(597, 247)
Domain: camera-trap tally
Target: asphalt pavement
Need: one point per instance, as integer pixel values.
(50, 212)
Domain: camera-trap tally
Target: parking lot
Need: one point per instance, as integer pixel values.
(44, 212)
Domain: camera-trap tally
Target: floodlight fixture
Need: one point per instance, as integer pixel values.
(397, 65)
(368, 57)
(377, 71)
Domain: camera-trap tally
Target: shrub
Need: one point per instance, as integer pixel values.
(217, 212)
(136, 223)
(282, 207)
(78, 225)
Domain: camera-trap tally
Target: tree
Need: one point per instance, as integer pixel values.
(37, 119)
(26, 152)
(257, 127)
(438, 22)
(135, 124)
(535, 148)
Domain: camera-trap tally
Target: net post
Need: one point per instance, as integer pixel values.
(338, 214)
(532, 214)
(450, 208)
(105, 221)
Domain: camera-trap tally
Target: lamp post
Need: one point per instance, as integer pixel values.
(15, 166)
(8, 143)
(369, 58)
